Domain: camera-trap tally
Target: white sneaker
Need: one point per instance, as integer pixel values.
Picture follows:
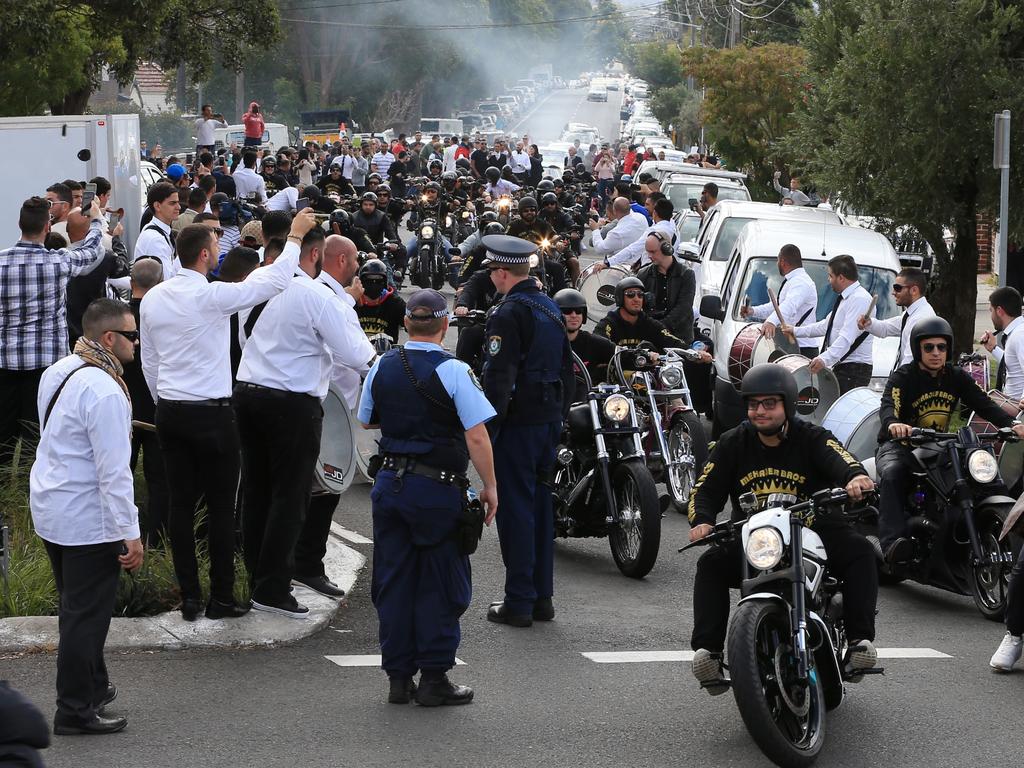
(707, 668)
(861, 655)
(1007, 654)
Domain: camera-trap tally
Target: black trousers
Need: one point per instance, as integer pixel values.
(201, 456)
(86, 579)
(850, 558)
(1015, 598)
(18, 393)
(892, 468)
(280, 434)
(852, 375)
(157, 500)
(312, 544)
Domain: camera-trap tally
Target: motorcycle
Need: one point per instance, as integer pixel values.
(470, 346)
(381, 343)
(674, 438)
(601, 485)
(957, 509)
(787, 646)
(428, 269)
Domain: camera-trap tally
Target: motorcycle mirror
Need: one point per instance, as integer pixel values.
(748, 503)
(455, 251)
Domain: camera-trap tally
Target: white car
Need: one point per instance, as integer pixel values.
(597, 93)
(681, 188)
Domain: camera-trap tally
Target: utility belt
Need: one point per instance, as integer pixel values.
(407, 465)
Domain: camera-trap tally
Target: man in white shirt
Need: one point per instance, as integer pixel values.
(157, 238)
(630, 226)
(662, 215)
(186, 361)
(285, 200)
(847, 349)
(382, 161)
(247, 181)
(520, 162)
(908, 289)
(284, 375)
(798, 298)
(448, 158)
(205, 127)
(83, 506)
(1006, 342)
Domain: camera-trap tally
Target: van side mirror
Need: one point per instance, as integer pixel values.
(711, 307)
(689, 252)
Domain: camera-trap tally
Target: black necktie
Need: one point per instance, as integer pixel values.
(1001, 370)
(831, 320)
(899, 349)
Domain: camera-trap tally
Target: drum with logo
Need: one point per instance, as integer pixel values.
(366, 448)
(854, 421)
(815, 393)
(750, 348)
(336, 464)
(977, 366)
(598, 288)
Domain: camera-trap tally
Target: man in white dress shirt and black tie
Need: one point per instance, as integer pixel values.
(798, 298)
(847, 349)
(908, 291)
(1006, 342)
(186, 361)
(283, 377)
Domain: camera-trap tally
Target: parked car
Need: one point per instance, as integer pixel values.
(597, 93)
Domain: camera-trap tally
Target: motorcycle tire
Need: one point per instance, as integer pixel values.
(757, 632)
(423, 272)
(989, 584)
(635, 540)
(687, 436)
(437, 278)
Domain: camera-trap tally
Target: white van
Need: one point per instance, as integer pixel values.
(441, 126)
(275, 136)
(752, 269)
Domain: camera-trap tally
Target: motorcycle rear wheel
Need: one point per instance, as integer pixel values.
(990, 583)
(637, 537)
(686, 443)
(759, 649)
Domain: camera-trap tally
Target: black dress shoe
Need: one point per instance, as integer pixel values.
(97, 726)
(499, 614)
(543, 610)
(442, 691)
(191, 608)
(215, 609)
(403, 689)
(899, 552)
(108, 697)
(320, 584)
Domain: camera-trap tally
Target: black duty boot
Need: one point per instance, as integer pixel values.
(403, 689)
(435, 691)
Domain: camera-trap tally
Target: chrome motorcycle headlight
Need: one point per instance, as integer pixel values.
(983, 466)
(534, 261)
(465, 214)
(616, 408)
(447, 221)
(427, 232)
(671, 376)
(764, 548)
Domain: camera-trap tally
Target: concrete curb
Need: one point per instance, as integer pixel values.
(169, 632)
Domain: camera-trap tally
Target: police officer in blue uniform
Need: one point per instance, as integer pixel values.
(528, 378)
(431, 411)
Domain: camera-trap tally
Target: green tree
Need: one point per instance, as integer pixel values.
(899, 122)
(679, 107)
(609, 36)
(660, 65)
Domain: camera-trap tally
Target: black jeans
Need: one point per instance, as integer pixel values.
(850, 558)
(86, 579)
(18, 393)
(892, 468)
(312, 544)
(280, 434)
(201, 456)
(852, 375)
(157, 500)
(1015, 598)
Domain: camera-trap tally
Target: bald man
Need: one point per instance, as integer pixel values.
(629, 227)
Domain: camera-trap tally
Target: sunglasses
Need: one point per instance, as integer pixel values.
(896, 287)
(132, 336)
(634, 294)
(940, 347)
(768, 403)
(572, 311)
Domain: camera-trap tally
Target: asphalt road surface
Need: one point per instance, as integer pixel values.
(539, 699)
(545, 122)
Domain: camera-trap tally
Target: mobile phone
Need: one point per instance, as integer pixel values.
(302, 203)
(693, 203)
(88, 196)
(115, 217)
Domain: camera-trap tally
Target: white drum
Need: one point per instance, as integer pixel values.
(598, 288)
(336, 463)
(750, 348)
(815, 393)
(854, 421)
(366, 447)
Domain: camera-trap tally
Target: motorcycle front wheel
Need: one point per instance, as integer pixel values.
(785, 719)
(636, 538)
(687, 453)
(990, 583)
(423, 271)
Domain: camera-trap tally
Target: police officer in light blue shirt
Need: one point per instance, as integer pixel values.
(431, 411)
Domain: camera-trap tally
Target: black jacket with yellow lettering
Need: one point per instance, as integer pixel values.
(808, 460)
(916, 398)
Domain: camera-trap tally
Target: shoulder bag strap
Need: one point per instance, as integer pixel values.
(53, 400)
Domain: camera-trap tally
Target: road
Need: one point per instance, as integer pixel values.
(539, 699)
(546, 121)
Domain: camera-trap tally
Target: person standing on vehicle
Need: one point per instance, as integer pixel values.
(594, 351)
(920, 394)
(908, 291)
(1006, 342)
(529, 380)
(775, 452)
(205, 127)
(432, 415)
(254, 126)
(798, 299)
(847, 349)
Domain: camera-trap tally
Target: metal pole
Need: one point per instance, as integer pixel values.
(1002, 138)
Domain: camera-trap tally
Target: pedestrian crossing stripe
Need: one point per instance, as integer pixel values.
(366, 660)
(350, 536)
(647, 657)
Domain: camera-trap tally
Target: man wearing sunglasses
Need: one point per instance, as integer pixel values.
(594, 351)
(924, 394)
(908, 291)
(628, 325)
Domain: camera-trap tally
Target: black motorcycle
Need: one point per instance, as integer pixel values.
(428, 267)
(602, 486)
(787, 646)
(958, 505)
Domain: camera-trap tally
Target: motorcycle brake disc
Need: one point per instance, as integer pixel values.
(781, 654)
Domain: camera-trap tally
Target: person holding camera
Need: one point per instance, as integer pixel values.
(254, 125)
(205, 127)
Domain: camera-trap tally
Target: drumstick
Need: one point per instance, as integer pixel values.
(871, 306)
(143, 426)
(778, 313)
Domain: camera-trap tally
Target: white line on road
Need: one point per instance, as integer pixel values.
(350, 536)
(647, 657)
(911, 653)
(366, 660)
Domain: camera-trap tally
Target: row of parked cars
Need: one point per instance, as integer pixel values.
(511, 104)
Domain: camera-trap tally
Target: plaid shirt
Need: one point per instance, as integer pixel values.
(33, 299)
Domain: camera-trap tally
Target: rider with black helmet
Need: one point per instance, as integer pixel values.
(430, 205)
(473, 251)
(775, 452)
(530, 227)
(341, 224)
(595, 351)
(377, 225)
(923, 393)
(628, 326)
(498, 186)
(334, 186)
(391, 204)
(380, 309)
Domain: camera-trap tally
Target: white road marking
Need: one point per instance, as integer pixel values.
(343, 631)
(647, 657)
(366, 660)
(911, 653)
(350, 536)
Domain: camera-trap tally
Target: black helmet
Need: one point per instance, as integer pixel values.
(432, 185)
(548, 197)
(770, 379)
(435, 164)
(463, 162)
(343, 219)
(622, 285)
(928, 328)
(368, 197)
(558, 183)
(374, 277)
(374, 177)
(487, 217)
(383, 189)
(448, 178)
(527, 202)
(567, 174)
(546, 185)
(494, 228)
(570, 298)
(492, 174)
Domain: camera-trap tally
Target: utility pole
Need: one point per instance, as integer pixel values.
(240, 106)
(1001, 162)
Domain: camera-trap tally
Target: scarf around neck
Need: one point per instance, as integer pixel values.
(96, 355)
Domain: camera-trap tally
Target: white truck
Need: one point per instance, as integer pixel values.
(42, 150)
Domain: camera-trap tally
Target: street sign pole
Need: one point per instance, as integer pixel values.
(1001, 161)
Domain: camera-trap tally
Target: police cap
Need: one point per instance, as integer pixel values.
(425, 304)
(507, 250)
